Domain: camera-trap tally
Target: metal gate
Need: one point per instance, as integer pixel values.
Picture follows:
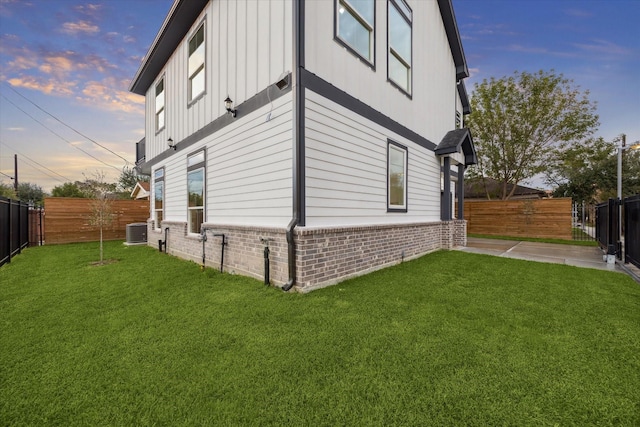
(583, 216)
(632, 230)
(607, 228)
(14, 228)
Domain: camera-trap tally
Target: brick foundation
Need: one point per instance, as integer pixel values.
(324, 256)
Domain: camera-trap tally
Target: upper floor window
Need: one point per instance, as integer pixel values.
(400, 41)
(355, 24)
(160, 105)
(196, 64)
(396, 177)
(458, 120)
(195, 191)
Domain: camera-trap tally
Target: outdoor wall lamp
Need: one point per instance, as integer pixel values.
(228, 104)
(171, 144)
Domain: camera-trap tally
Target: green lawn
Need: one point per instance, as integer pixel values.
(451, 338)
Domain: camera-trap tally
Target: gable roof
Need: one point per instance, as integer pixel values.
(183, 14)
(453, 35)
(458, 141)
(141, 190)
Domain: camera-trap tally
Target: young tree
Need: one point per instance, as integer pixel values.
(101, 207)
(516, 121)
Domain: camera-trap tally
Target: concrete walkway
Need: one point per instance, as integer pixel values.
(578, 256)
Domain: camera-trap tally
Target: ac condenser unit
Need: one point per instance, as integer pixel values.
(137, 233)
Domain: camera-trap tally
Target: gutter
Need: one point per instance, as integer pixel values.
(298, 215)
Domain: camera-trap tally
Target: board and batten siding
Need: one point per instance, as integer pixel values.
(248, 47)
(346, 170)
(431, 111)
(248, 171)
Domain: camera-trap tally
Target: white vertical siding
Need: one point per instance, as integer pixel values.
(249, 174)
(346, 170)
(431, 111)
(248, 46)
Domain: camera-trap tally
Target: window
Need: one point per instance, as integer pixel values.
(400, 41)
(195, 191)
(354, 27)
(158, 197)
(458, 120)
(196, 64)
(160, 105)
(396, 177)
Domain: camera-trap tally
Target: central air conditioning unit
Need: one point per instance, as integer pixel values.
(136, 233)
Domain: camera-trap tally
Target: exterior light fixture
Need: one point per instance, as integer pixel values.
(171, 144)
(228, 104)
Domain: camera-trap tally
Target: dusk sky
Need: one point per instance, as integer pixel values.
(67, 65)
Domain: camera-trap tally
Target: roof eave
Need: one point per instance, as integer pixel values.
(453, 36)
(175, 27)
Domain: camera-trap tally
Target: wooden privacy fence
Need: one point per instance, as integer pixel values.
(67, 219)
(544, 218)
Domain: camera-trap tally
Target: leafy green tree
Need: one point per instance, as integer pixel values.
(31, 193)
(70, 189)
(589, 171)
(517, 121)
(129, 178)
(7, 191)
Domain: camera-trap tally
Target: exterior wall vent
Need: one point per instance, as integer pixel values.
(136, 233)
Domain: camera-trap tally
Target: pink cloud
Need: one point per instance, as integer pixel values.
(48, 86)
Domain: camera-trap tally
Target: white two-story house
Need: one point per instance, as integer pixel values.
(329, 131)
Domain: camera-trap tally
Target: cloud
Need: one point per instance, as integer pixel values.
(578, 13)
(90, 10)
(112, 95)
(73, 28)
(16, 129)
(45, 85)
(603, 47)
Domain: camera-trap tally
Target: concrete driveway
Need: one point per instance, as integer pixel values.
(578, 256)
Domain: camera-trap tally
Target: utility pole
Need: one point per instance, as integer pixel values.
(15, 176)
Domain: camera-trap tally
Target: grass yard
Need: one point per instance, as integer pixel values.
(451, 338)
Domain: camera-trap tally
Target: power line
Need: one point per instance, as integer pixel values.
(39, 164)
(58, 135)
(2, 173)
(65, 124)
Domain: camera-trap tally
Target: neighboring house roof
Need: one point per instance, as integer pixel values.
(183, 14)
(458, 141)
(477, 189)
(141, 190)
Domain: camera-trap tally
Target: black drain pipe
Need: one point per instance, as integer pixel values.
(267, 278)
(224, 243)
(162, 244)
(203, 237)
(291, 244)
(299, 136)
